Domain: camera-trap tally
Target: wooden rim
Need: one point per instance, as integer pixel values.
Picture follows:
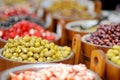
(87, 36)
(68, 26)
(70, 56)
(6, 73)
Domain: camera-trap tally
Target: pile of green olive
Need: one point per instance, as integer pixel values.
(114, 54)
(34, 49)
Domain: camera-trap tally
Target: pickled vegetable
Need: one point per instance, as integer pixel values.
(114, 55)
(34, 49)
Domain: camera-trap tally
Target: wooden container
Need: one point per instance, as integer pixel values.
(34, 67)
(97, 62)
(88, 47)
(68, 31)
(7, 63)
(112, 71)
(73, 58)
(84, 23)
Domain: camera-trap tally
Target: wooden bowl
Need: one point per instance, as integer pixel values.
(71, 31)
(33, 67)
(56, 41)
(7, 63)
(112, 71)
(88, 47)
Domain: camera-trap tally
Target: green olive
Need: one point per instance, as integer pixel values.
(31, 49)
(37, 44)
(15, 54)
(10, 40)
(27, 38)
(18, 50)
(13, 58)
(41, 54)
(21, 53)
(19, 59)
(16, 44)
(40, 60)
(27, 44)
(24, 56)
(10, 45)
(110, 55)
(36, 50)
(11, 50)
(31, 59)
(31, 43)
(52, 44)
(36, 56)
(118, 62)
(115, 59)
(25, 50)
(49, 59)
(29, 53)
(5, 47)
(25, 60)
(116, 47)
(54, 56)
(8, 55)
(48, 54)
(4, 53)
(47, 46)
(45, 50)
